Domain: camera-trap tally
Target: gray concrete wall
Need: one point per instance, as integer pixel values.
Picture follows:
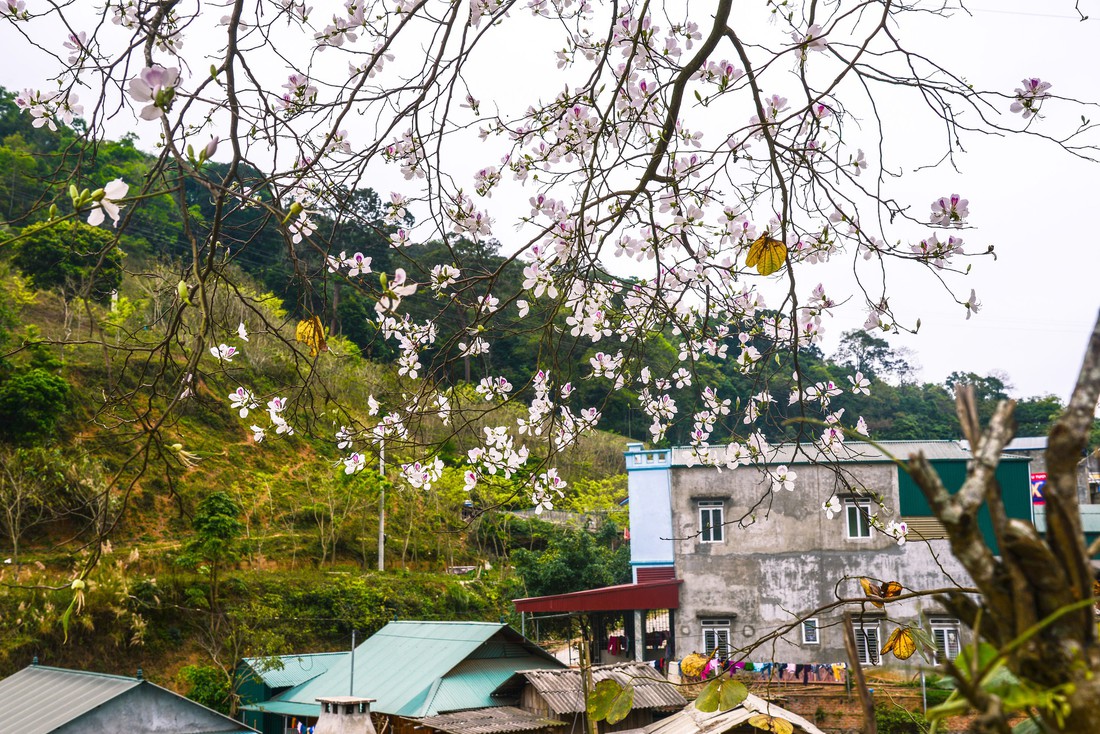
(148, 709)
(786, 559)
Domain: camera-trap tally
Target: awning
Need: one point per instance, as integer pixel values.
(664, 594)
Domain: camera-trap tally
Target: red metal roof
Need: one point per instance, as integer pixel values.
(646, 595)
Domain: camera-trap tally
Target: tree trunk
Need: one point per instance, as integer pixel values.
(1030, 604)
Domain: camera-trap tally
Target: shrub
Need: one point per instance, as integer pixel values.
(893, 719)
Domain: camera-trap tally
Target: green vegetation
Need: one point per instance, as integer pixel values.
(893, 719)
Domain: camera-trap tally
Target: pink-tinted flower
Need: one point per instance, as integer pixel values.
(950, 210)
(15, 9)
(858, 163)
(105, 203)
(354, 463)
(155, 85)
(812, 40)
(358, 264)
(242, 401)
(224, 353)
(973, 305)
(77, 44)
(1030, 97)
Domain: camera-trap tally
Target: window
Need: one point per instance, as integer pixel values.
(716, 634)
(945, 633)
(867, 643)
(858, 514)
(710, 521)
(809, 632)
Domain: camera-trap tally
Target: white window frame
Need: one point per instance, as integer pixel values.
(868, 643)
(811, 632)
(858, 510)
(716, 633)
(945, 633)
(709, 530)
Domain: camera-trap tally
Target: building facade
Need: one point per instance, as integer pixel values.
(755, 562)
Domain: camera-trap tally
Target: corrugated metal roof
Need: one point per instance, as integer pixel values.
(471, 683)
(489, 721)
(562, 689)
(1020, 443)
(406, 667)
(849, 452)
(39, 699)
(285, 708)
(691, 720)
(287, 671)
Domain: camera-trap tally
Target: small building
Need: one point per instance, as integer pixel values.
(263, 678)
(44, 700)
(418, 670)
(560, 693)
(691, 720)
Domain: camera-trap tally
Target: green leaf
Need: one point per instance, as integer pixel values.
(965, 662)
(610, 701)
(707, 700)
(720, 694)
(732, 694)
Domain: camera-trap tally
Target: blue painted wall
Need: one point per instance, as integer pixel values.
(648, 482)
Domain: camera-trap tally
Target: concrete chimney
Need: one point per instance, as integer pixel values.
(344, 715)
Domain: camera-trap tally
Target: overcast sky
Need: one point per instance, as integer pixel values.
(1035, 204)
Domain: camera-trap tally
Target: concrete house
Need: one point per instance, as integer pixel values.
(751, 560)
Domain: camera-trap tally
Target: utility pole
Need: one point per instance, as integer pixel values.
(382, 508)
(867, 703)
(351, 678)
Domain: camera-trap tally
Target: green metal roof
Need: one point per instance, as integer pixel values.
(416, 669)
(287, 671)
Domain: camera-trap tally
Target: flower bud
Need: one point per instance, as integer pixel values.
(210, 149)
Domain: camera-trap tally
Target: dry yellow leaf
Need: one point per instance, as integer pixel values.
(766, 254)
(311, 332)
(772, 724)
(692, 665)
(886, 590)
(901, 643)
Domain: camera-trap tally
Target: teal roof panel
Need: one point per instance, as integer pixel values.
(404, 667)
(285, 708)
(287, 671)
(471, 683)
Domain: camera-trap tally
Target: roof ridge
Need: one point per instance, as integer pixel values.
(95, 673)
